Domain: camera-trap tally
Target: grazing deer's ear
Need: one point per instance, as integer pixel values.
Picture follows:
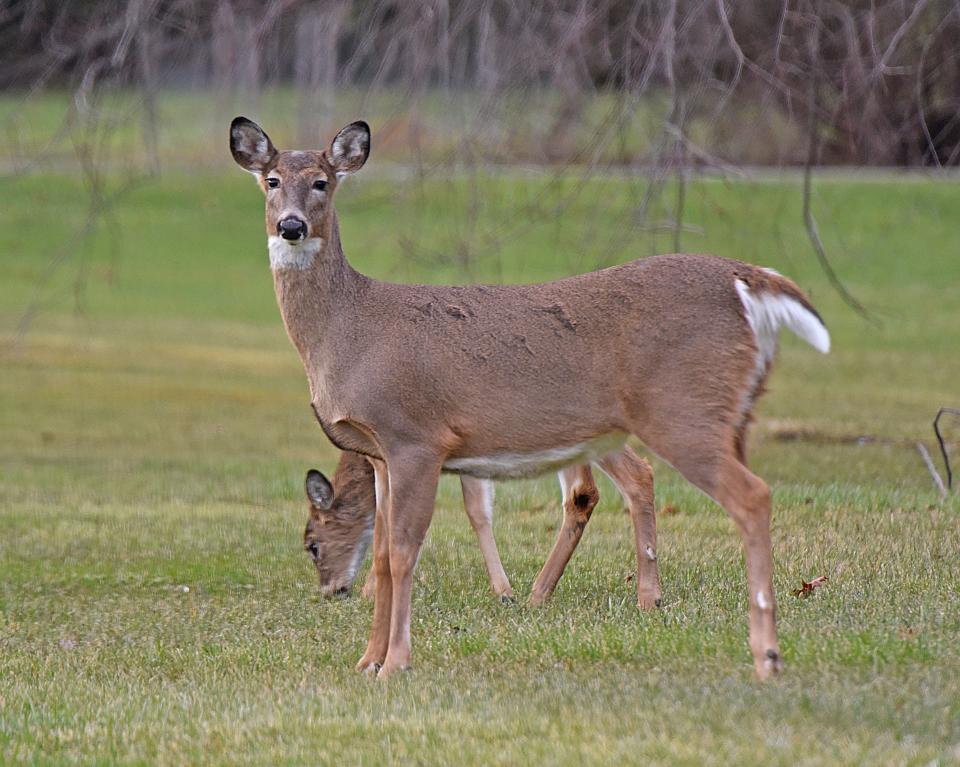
(250, 146)
(350, 148)
(319, 490)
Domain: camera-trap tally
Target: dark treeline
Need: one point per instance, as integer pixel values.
(870, 83)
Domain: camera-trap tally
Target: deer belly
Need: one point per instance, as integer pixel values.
(508, 465)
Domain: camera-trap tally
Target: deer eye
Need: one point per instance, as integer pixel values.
(319, 184)
(314, 550)
(273, 183)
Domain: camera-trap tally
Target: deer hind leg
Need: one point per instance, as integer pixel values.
(746, 498)
(413, 488)
(633, 477)
(713, 464)
(379, 578)
(580, 496)
(478, 502)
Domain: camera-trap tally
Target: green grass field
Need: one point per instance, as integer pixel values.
(156, 606)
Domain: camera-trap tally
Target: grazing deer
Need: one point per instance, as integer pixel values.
(516, 380)
(341, 520)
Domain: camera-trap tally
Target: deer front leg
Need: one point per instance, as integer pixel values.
(478, 502)
(376, 650)
(413, 489)
(634, 479)
(580, 496)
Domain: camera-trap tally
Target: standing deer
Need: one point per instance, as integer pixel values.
(341, 516)
(517, 380)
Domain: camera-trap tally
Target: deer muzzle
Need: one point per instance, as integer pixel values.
(292, 228)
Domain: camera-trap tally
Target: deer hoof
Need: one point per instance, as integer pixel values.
(649, 601)
(771, 664)
(537, 599)
(368, 667)
(387, 670)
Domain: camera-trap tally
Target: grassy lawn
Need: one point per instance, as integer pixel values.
(156, 606)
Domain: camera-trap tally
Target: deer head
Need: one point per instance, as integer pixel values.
(339, 525)
(298, 186)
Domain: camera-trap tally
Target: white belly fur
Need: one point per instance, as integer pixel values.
(518, 465)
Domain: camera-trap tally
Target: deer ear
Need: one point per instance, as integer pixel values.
(319, 490)
(250, 146)
(350, 148)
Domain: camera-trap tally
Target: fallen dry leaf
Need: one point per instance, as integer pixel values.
(806, 589)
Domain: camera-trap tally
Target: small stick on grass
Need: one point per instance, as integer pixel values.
(943, 445)
(925, 454)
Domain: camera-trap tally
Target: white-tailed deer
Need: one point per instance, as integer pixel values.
(341, 518)
(515, 380)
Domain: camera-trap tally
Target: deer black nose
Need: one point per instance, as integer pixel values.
(292, 228)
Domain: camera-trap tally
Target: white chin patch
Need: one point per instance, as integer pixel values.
(299, 254)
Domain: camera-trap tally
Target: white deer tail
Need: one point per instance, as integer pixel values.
(775, 302)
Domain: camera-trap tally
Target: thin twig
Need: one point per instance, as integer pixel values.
(897, 37)
(813, 150)
(813, 233)
(925, 454)
(943, 444)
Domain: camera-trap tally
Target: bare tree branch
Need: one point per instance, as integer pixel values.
(809, 221)
(943, 446)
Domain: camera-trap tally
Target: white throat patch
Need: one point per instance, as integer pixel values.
(292, 255)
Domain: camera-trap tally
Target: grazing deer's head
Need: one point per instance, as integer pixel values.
(340, 524)
(299, 186)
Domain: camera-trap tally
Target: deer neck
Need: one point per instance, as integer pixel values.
(315, 287)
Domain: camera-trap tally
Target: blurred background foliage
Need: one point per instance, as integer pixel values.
(677, 82)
